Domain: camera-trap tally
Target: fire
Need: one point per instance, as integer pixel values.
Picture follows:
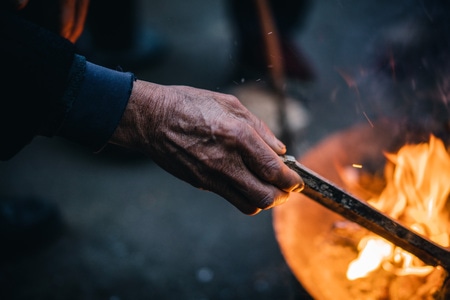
(373, 251)
(416, 193)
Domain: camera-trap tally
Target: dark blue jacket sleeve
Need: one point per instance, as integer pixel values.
(95, 103)
(47, 89)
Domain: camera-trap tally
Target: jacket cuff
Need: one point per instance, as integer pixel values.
(98, 106)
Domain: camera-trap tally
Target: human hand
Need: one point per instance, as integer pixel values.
(209, 140)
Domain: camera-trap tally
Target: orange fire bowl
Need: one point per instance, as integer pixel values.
(305, 230)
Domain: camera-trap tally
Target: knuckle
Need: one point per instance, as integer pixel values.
(232, 99)
(235, 105)
(271, 170)
(267, 201)
(235, 133)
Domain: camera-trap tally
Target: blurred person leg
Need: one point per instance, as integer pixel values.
(251, 57)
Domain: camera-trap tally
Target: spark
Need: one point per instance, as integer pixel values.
(358, 166)
(413, 84)
(368, 120)
(334, 93)
(348, 79)
(351, 83)
(443, 92)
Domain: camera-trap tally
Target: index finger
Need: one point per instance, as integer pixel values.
(266, 134)
(274, 171)
(267, 165)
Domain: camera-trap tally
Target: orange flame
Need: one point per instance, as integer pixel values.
(417, 194)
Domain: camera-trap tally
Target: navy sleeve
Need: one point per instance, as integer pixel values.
(98, 104)
(47, 89)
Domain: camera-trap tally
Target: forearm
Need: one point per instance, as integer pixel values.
(134, 129)
(127, 133)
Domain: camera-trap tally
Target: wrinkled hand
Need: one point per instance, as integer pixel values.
(209, 140)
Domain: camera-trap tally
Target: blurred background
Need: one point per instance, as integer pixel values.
(129, 230)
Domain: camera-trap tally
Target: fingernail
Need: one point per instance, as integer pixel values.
(281, 145)
(299, 188)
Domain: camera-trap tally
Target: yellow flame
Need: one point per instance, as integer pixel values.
(416, 193)
(370, 258)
